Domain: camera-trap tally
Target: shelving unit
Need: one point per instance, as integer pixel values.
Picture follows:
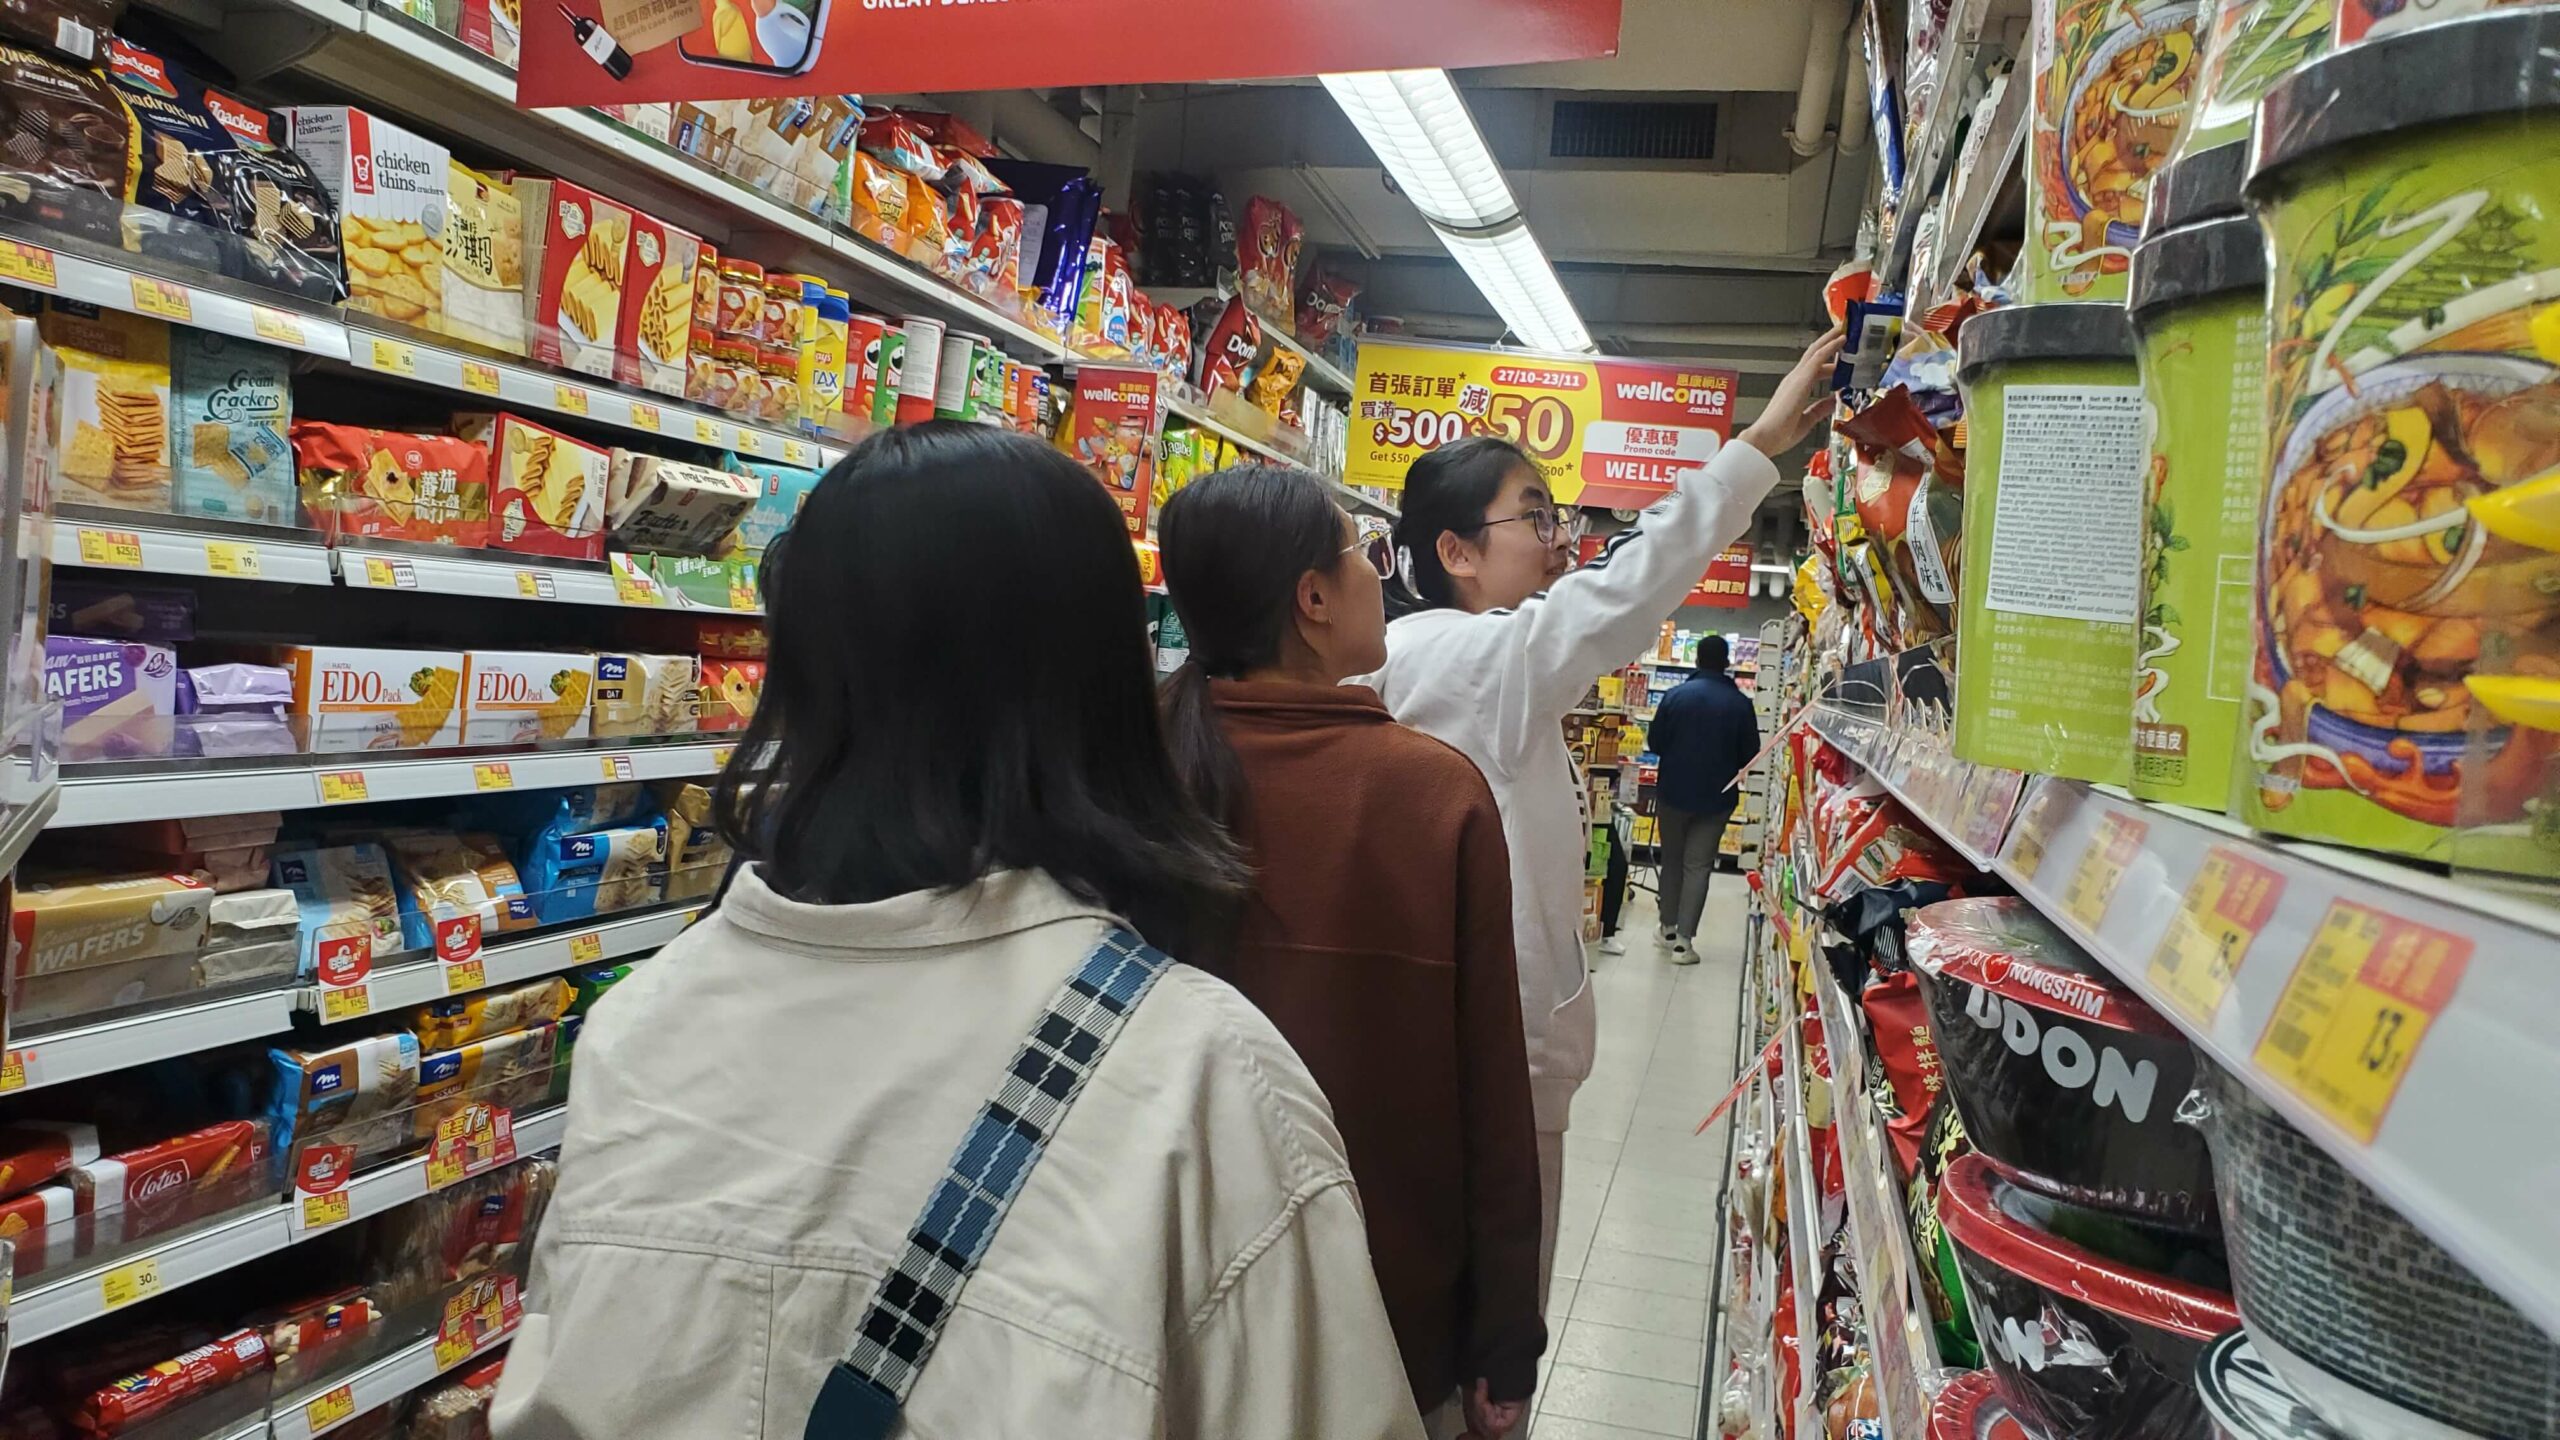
(321, 1407)
(1880, 1241)
(1804, 1209)
(512, 962)
(301, 782)
(1971, 39)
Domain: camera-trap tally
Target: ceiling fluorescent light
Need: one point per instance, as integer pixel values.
(1513, 273)
(1428, 141)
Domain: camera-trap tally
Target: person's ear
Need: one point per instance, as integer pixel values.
(1457, 557)
(1315, 602)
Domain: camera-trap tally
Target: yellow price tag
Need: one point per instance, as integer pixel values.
(586, 949)
(536, 585)
(277, 326)
(643, 417)
(121, 549)
(617, 767)
(377, 571)
(166, 299)
(706, 430)
(345, 1002)
(452, 1350)
(750, 443)
(26, 264)
(342, 787)
(13, 1071)
(479, 377)
(720, 758)
(2231, 899)
(130, 1283)
(2102, 868)
(321, 1211)
(393, 357)
(570, 398)
(231, 557)
(2035, 828)
(795, 452)
(633, 590)
(742, 596)
(2348, 1025)
(498, 776)
(470, 975)
(334, 1408)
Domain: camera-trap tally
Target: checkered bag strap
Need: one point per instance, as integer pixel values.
(865, 1392)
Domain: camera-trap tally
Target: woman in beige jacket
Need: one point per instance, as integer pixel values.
(961, 803)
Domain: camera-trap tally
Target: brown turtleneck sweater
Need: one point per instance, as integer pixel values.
(1378, 940)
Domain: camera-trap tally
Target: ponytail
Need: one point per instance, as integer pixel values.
(1446, 492)
(1202, 758)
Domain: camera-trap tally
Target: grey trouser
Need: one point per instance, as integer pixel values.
(1689, 842)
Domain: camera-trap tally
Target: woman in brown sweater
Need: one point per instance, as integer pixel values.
(1377, 935)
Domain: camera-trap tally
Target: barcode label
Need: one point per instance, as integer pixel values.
(2291, 1039)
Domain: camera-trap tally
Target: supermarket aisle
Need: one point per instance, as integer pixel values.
(1628, 1315)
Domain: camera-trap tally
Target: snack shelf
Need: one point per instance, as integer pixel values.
(515, 961)
(307, 781)
(321, 1408)
(1977, 191)
(1971, 26)
(626, 580)
(107, 540)
(1321, 372)
(57, 265)
(1804, 1208)
(404, 1181)
(513, 384)
(1197, 412)
(78, 1052)
(2389, 1012)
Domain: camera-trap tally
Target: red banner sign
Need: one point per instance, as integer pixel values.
(624, 52)
(1728, 582)
(1111, 432)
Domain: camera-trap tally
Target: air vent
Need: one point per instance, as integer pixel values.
(1633, 130)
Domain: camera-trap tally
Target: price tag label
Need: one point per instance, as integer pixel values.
(2361, 998)
(633, 590)
(643, 416)
(120, 549)
(349, 1002)
(495, 776)
(470, 975)
(750, 442)
(393, 357)
(571, 399)
(2231, 899)
(706, 430)
(2102, 868)
(797, 452)
(536, 585)
(334, 1408)
(234, 558)
(404, 576)
(617, 767)
(479, 377)
(377, 572)
(13, 1070)
(2035, 829)
(319, 1212)
(742, 596)
(130, 1283)
(586, 949)
(342, 787)
(164, 298)
(25, 264)
(470, 1141)
(452, 1350)
(720, 758)
(277, 326)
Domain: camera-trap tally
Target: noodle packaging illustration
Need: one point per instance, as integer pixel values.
(2111, 92)
(2413, 408)
(2248, 46)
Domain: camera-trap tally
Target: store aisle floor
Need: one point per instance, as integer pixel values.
(1627, 1319)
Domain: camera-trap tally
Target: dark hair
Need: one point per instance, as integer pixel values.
(1234, 545)
(921, 726)
(1713, 655)
(1448, 490)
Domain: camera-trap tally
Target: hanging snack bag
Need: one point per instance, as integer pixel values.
(383, 484)
(1278, 380)
(1323, 307)
(1233, 344)
(1268, 258)
(483, 261)
(234, 404)
(72, 156)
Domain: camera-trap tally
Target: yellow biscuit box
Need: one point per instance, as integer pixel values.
(391, 189)
(364, 699)
(520, 697)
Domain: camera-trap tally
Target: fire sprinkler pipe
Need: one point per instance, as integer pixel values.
(1829, 20)
(1855, 126)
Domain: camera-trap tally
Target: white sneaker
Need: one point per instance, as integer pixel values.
(1681, 954)
(1612, 945)
(1667, 938)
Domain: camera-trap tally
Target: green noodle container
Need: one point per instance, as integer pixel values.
(2408, 187)
(2199, 313)
(2050, 587)
(2248, 46)
(2110, 95)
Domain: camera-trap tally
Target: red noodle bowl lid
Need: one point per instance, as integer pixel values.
(2002, 944)
(1970, 1409)
(1969, 1206)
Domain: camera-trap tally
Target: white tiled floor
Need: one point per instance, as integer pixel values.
(1628, 1318)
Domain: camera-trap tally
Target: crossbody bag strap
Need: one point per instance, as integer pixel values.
(867, 1390)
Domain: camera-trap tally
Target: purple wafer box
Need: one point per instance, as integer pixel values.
(117, 696)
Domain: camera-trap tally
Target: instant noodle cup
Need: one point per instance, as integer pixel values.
(2049, 590)
(2413, 414)
(2111, 81)
(2249, 45)
(2196, 187)
(2199, 313)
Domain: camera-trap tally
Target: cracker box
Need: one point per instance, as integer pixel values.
(390, 484)
(654, 341)
(234, 406)
(390, 187)
(114, 398)
(143, 1191)
(117, 696)
(81, 924)
(363, 699)
(547, 489)
(577, 254)
(345, 892)
(520, 697)
(646, 695)
(483, 261)
(667, 507)
(730, 689)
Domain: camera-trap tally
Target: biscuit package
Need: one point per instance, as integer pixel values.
(144, 1191)
(510, 1071)
(697, 857)
(646, 695)
(730, 689)
(445, 877)
(346, 893)
(445, 1024)
(361, 699)
(69, 149)
(483, 261)
(355, 1094)
(81, 923)
(578, 251)
(781, 491)
(548, 490)
(667, 507)
(518, 697)
(114, 394)
(385, 484)
(597, 872)
(389, 186)
(656, 327)
(117, 696)
(234, 403)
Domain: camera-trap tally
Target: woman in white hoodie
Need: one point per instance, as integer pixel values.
(1510, 640)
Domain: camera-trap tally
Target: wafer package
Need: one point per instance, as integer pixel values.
(646, 695)
(79, 923)
(389, 186)
(234, 405)
(114, 395)
(346, 893)
(457, 1021)
(578, 253)
(69, 149)
(445, 877)
(117, 696)
(507, 1071)
(356, 1094)
(548, 489)
(483, 261)
(656, 327)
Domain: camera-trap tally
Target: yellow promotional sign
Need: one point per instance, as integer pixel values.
(1613, 433)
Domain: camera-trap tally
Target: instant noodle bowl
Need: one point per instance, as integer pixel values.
(2064, 1079)
(2199, 310)
(1970, 1408)
(2413, 377)
(2111, 79)
(2247, 1400)
(2078, 1344)
(2368, 1320)
(2248, 46)
(2197, 187)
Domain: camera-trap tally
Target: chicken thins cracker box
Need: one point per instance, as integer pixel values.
(362, 699)
(390, 188)
(517, 697)
(548, 489)
(234, 413)
(654, 338)
(577, 245)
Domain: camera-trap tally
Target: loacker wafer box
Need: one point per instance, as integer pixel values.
(655, 334)
(390, 189)
(577, 248)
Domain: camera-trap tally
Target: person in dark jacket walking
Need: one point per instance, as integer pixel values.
(1705, 732)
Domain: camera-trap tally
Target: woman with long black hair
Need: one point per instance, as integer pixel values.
(914, 1134)
(1377, 934)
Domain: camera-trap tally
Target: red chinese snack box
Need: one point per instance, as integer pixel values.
(654, 340)
(386, 484)
(144, 1191)
(578, 251)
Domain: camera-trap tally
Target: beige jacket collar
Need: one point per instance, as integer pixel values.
(1003, 902)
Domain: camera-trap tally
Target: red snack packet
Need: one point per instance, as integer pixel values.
(894, 138)
(1234, 342)
(35, 1151)
(1322, 306)
(1267, 254)
(432, 489)
(289, 1330)
(146, 1190)
(32, 1221)
(201, 1371)
(928, 225)
(965, 173)
(960, 241)
(1177, 341)
(995, 252)
(1899, 1020)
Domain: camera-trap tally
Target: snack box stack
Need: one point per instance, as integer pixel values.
(354, 698)
(655, 344)
(143, 1191)
(36, 1200)
(390, 187)
(578, 254)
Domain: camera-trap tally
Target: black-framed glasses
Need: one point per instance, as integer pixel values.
(1549, 523)
(1377, 543)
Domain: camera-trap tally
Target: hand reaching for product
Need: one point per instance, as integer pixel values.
(1488, 1419)
(1803, 398)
